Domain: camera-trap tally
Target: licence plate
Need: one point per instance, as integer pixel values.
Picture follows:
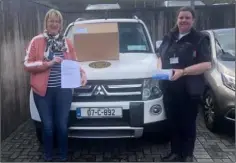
(99, 112)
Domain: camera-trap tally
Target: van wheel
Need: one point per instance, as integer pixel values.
(210, 111)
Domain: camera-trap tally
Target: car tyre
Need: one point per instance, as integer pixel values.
(211, 118)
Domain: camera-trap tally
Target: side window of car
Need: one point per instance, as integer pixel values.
(210, 47)
(218, 50)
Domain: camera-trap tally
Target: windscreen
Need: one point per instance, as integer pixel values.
(226, 39)
(133, 38)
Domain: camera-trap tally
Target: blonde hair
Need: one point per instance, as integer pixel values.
(53, 13)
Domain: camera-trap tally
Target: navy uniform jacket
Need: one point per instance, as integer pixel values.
(191, 49)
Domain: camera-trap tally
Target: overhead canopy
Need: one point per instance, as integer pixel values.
(80, 5)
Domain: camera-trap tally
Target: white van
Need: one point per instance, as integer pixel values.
(120, 100)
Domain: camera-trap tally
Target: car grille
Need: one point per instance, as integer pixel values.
(109, 90)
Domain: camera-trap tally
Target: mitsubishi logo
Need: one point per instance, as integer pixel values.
(99, 91)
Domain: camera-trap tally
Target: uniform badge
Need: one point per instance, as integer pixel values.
(174, 60)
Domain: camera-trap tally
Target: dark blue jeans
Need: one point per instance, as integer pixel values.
(54, 110)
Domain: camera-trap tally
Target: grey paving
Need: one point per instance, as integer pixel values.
(22, 146)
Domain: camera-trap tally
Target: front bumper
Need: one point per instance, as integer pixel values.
(136, 116)
(114, 132)
(137, 120)
(225, 98)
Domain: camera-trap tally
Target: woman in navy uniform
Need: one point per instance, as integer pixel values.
(186, 51)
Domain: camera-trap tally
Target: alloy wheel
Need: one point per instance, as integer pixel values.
(209, 113)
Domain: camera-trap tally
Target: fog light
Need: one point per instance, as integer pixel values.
(155, 109)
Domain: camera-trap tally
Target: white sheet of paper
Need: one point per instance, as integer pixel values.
(70, 74)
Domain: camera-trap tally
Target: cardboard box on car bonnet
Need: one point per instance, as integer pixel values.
(97, 41)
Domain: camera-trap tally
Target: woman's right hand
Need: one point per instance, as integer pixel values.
(177, 74)
(54, 61)
(57, 59)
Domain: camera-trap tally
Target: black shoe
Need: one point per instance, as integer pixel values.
(187, 159)
(63, 160)
(172, 157)
(47, 160)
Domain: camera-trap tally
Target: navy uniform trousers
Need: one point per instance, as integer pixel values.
(182, 110)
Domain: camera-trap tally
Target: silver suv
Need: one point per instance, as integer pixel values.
(219, 96)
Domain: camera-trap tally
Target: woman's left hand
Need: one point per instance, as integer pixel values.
(177, 74)
(83, 79)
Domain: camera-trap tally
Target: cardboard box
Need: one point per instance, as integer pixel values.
(97, 41)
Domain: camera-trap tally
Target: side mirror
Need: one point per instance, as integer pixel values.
(157, 46)
(158, 43)
(156, 50)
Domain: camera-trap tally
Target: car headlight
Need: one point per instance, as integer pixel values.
(228, 81)
(151, 89)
